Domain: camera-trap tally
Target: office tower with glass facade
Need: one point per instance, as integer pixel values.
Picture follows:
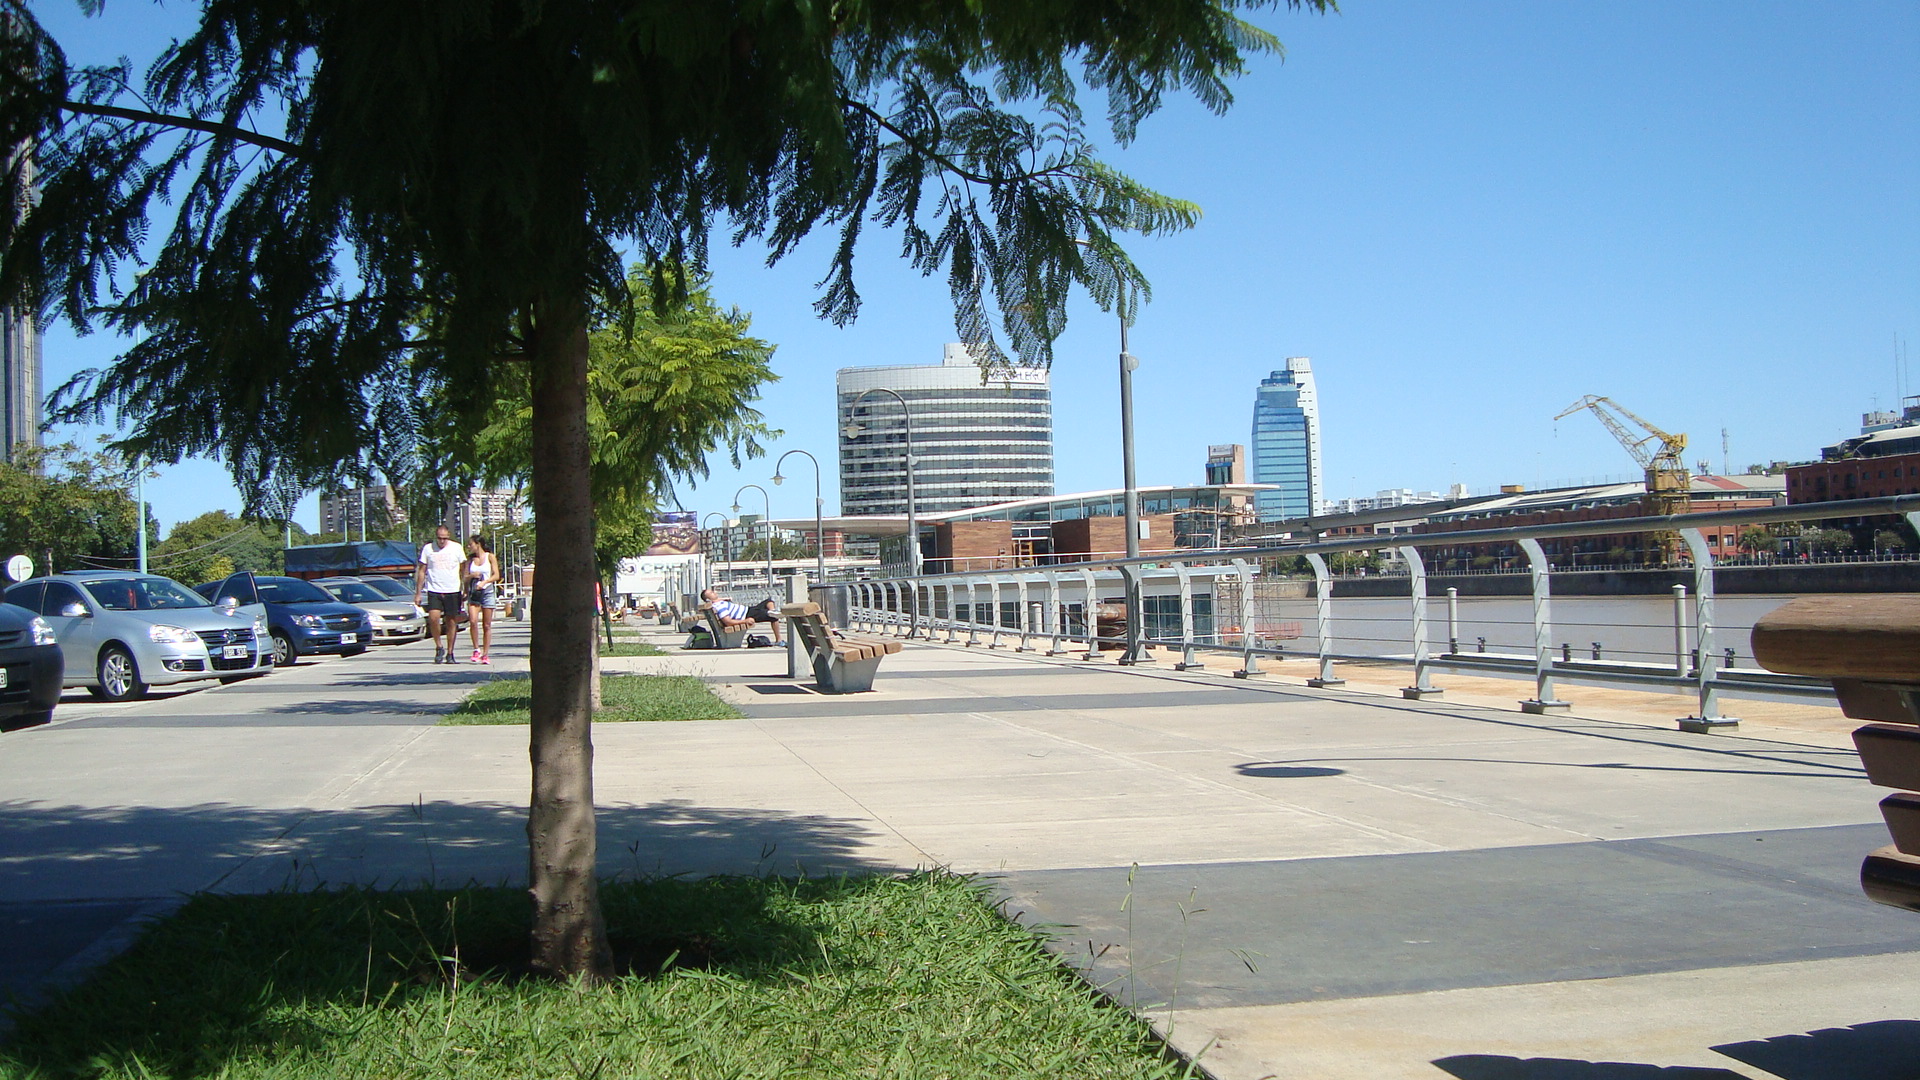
(1286, 442)
(974, 442)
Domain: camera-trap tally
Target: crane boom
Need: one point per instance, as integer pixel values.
(1669, 485)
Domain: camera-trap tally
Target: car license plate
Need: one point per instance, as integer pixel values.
(3, 678)
(348, 639)
(234, 652)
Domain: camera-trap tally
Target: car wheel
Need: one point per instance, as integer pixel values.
(355, 651)
(118, 676)
(283, 651)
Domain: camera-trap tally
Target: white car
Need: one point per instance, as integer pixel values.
(395, 622)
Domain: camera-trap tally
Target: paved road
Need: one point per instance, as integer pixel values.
(1298, 883)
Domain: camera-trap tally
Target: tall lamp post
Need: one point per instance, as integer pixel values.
(1128, 362)
(767, 521)
(913, 515)
(853, 430)
(726, 537)
(819, 535)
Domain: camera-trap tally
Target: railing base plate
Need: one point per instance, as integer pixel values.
(1542, 708)
(1189, 666)
(1420, 693)
(1249, 674)
(1319, 684)
(1701, 725)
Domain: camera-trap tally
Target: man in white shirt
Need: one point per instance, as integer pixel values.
(732, 615)
(438, 580)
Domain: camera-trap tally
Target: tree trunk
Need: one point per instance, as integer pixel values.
(569, 935)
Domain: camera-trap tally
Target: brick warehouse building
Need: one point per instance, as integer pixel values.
(1854, 478)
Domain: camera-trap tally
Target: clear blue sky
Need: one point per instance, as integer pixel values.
(1467, 215)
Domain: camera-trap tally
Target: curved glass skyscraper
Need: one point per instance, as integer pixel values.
(1286, 442)
(974, 443)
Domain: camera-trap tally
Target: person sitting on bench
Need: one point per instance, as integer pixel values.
(732, 616)
(768, 611)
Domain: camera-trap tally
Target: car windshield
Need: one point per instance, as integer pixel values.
(353, 592)
(390, 587)
(286, 590)
(142, 594)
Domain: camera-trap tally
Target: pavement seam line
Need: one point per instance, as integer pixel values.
(845, 794)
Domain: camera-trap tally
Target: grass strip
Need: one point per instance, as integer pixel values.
(629, 648)
(623, 698)
(726, 977)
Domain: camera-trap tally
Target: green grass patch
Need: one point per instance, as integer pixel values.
(623, 698)
(723, 977)
(629, 647)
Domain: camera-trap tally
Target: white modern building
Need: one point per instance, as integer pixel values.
(975, 441)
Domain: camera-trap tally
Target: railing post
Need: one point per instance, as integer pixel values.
(1091, 617)
(1709, 718)
(1054, 614)
(1188, 660)
(1422, 679)
(1681, 661)
(1249, 660)
(911, 589)
(1020, 602)
(973, 612)
(1134, 652)
(1540, 571)
(1323, 620)
(953, 615)
(993, 609)
(1453, 620)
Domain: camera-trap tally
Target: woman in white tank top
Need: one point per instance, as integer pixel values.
(481, 573)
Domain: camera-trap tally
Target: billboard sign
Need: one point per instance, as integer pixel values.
(674, 533)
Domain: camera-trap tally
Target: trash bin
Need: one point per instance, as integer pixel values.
(836, 603)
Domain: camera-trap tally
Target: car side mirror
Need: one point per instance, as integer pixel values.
(74, 611)
(228, 605)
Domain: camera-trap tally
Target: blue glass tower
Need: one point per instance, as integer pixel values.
(1286, 442)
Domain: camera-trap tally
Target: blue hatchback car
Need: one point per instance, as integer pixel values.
(303, 618)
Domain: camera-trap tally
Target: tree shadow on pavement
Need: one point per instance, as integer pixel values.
(50, 852)
(1502, 1067)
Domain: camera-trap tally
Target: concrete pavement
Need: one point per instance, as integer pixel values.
(1291, 882)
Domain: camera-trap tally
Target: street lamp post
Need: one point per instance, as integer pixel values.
(819, 535)
(768, 521)
(726, 537)
(913, 516)
(1128, 362)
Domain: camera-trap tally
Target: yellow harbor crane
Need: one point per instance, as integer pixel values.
(1669, 485)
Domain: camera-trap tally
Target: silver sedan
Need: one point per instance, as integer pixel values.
(395, 622)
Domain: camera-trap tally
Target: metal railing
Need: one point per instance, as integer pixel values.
(1232, 601)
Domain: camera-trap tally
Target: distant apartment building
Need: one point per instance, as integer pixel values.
(1227, 464)
(975, 442)
(342, 511)
(382, 505)
(1392, 498)
(1286, 443)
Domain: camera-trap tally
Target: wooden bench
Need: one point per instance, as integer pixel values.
(1869, 646)
(841, 664)
(724, 638)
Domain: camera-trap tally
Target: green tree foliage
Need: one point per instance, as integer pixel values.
(1829, 541)
(1757, 539)
(67, 509)
(216, 544)
(667, 386)
(784, 548)
(444, 196)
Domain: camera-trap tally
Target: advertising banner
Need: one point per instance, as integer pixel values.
(675, 533)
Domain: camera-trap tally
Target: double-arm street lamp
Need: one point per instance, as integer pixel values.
(853, 430)
(767, 521)
(726, 536)
(819, 536)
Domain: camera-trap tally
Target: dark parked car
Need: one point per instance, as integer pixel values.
(303, 618)
(31, 668)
